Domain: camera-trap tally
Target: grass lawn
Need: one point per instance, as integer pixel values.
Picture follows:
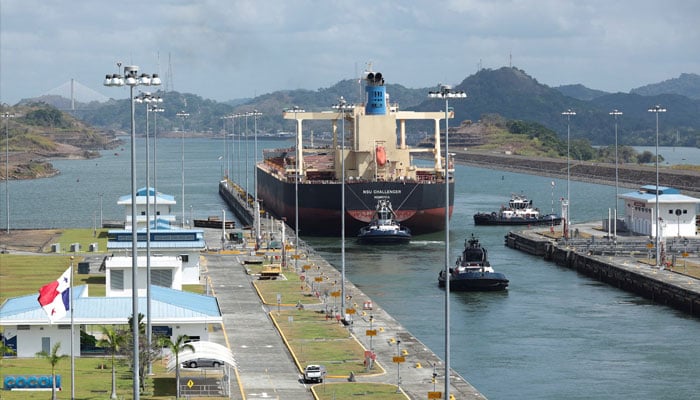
(314, 339)
(365, 391)
(93, 379)
(84, 237)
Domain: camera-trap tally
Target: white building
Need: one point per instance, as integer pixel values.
(163, 207)
(166, 241)
(184, 245)
(27, 329)
(166, 271)
(677, 212)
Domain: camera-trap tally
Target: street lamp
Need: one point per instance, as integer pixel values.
(7, 117)
(342, 108)
(183, 115)
(446, 92)
(296, 110)
(398, 368)
(656, 110)
(615, 114)
(568, 113)
(148, 98)
(155, 109)
(132, 79)
(256, 206)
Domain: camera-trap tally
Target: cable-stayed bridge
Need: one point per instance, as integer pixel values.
(75, 93)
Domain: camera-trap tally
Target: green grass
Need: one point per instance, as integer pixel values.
(93, 378)
(25, 274)
(314, 339)
(365, 391)
(85, 237)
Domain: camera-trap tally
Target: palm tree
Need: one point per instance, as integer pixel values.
(53, 358)
(176, 348)
(5, 350)
(112, 340)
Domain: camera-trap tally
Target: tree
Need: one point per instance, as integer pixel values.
(53, 358)
(5, 350)
(176, 347)
(112, 340)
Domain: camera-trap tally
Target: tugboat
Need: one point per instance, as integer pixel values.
(383, 228)
(473, 271)
(518, 212)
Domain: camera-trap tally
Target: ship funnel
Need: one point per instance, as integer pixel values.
(376, 94)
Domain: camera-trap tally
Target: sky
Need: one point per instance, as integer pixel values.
(231, 49)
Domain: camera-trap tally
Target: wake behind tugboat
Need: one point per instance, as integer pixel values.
(473, 271)
(518, 212)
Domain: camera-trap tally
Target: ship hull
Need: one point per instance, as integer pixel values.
(418, 206)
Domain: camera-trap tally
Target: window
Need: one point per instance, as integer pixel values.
(117, 279)
(162, 277)
(185, 258)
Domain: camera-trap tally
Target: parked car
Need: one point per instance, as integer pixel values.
(314, 373)
(202, 362)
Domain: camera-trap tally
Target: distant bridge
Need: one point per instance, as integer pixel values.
(75, 92)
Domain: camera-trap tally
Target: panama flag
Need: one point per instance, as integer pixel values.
(54, 297)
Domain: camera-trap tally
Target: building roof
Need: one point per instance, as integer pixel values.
(168, 306)
(141, 195)
(647, 194)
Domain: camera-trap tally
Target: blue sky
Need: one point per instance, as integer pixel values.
(227, 49)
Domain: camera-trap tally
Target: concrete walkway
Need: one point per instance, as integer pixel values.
(265, 366)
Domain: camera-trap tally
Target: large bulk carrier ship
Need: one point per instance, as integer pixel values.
(378, 165)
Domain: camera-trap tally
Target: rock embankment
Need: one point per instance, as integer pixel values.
(632, 176)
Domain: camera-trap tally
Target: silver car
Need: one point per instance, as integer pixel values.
(202, 362)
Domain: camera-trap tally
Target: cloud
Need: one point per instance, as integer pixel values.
(230, 49)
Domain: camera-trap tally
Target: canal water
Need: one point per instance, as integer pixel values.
(554, 334)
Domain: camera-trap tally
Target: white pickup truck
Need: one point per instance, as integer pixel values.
(314, 373)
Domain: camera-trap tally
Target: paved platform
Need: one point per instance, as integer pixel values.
(265, 366)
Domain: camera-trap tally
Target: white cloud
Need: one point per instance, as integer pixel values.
(229, 49)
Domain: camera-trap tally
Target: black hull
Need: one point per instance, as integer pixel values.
(489, 282)
(418, 206)
(383, 239)
(490, 219)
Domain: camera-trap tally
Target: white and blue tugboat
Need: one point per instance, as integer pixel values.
(383, 228)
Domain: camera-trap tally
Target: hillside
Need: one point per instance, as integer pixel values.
(509, 92)
(38, 132)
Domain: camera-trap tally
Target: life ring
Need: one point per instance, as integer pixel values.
(381, 156)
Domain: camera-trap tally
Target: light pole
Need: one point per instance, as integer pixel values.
(238, 160)
(656, 110)
(342, 107)
(446, 92)
(7, 117)
(256, 205)
(183, 115)
(615, 113)
(148, 98)
(155, 109)
(296, 187)
(568, 113)
(132, 79)
(398, 368)
(100, 195)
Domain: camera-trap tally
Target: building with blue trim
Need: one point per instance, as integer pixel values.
(677, 212)
(27, 328)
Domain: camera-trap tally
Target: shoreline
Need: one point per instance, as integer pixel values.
(629, 176)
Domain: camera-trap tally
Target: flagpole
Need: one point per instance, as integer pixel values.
(72, 335)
